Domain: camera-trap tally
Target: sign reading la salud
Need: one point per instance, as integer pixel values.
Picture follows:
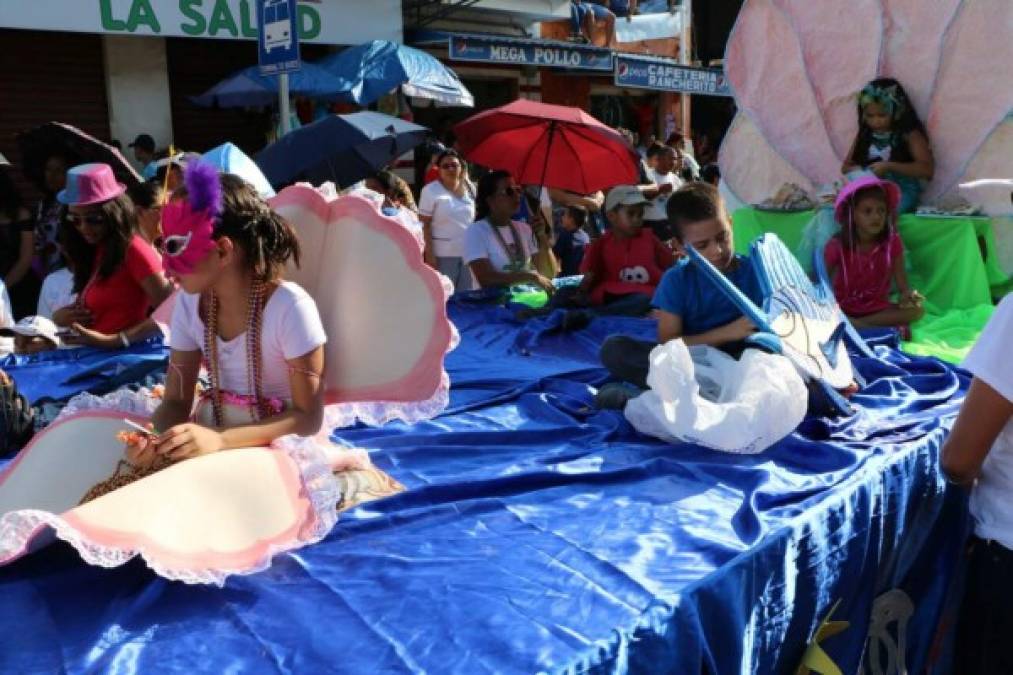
(202, 19)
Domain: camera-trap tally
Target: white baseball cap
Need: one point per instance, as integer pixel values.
(33, 326)
(624, 195)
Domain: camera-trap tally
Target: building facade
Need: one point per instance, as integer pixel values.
(118, 68)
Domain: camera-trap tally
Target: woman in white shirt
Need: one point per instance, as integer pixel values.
(446, 209)
(979, 453)
(497, 248)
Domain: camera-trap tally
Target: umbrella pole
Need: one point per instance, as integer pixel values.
(548, 151)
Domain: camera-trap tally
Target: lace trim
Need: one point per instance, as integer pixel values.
(315, 457)
(19, 528)
(142, 402)
(378, 413)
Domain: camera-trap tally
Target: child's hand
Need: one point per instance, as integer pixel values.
(910, 299)
(879, 168)
(142, 454)
(739, 329)
(543, 282)
(188, 440)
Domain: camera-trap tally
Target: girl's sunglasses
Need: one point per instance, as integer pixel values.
(173, 245)
(93, 219)
(450, 166)
(510, 191)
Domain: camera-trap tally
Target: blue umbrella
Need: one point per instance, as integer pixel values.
(227, 158)
(341, 148)
(248, 87)
(375, 68)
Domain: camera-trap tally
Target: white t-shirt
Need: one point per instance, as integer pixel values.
(6, 320)
(656, 209)
(480, 242)
(451, 217)
(291, 328)
(992, 496)
(57, 292)
(690, 162)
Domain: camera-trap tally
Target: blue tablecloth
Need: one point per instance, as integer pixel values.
(540, 535)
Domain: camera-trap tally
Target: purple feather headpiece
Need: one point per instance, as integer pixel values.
(203, 187)
(188, 226)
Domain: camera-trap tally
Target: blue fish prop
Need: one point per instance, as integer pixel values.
(800, 319)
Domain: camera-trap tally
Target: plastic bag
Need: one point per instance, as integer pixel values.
(701, 395)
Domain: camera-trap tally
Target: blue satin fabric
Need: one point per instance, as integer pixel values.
(541, 535)
(57, 375)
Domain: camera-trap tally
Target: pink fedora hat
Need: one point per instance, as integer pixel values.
(889, 188)
(90, 184)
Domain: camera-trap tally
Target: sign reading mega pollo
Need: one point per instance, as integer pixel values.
(321, 21)
(529, 52)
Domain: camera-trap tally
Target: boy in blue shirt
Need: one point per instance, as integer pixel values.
(689, 306)
(572, 240)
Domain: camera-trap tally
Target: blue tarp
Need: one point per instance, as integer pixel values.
(540, 535)
(58, 375)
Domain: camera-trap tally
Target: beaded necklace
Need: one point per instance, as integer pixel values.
(519, 256)
(254, 321)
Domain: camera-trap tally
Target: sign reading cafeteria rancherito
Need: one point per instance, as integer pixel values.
(321, 21)
(529, 52)
(661, 75)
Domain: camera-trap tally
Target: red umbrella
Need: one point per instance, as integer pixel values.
(551, 145)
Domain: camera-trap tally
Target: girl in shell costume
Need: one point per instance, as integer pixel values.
(230, 476)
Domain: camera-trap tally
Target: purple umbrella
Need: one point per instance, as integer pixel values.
(57, 138)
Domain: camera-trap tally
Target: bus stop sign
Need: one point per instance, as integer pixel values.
(278, 38)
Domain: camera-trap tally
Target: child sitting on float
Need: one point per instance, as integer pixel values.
(867, 257)
(689, 306)
(623, 267)
(892, 142)
(261, 338)
(32, 334)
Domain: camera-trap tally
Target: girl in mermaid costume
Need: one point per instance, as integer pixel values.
(892, 142)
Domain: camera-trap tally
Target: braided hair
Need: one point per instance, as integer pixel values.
(267, 241)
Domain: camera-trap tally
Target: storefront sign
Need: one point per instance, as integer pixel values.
(321, 21)
(529, 53)
(662, 75)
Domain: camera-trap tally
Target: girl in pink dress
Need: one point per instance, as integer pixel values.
(867, 257)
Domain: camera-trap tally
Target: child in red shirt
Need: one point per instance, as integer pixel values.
(866, 259)
(622, 268)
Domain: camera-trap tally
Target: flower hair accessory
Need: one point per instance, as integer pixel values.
(188, 224)
(888, 97)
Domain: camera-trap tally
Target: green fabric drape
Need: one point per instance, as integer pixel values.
(952, 261)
